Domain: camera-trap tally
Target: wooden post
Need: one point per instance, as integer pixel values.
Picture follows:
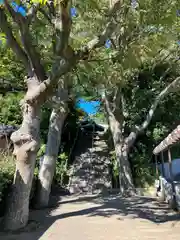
(162, 162)
(157, 174)
(172, 202)
(170, 164)
(162, 197)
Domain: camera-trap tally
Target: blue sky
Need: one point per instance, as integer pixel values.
(16, 8)
(90, 107)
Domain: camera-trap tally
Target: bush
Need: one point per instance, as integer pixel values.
(7, 168)
(61, 176)
(10, 112)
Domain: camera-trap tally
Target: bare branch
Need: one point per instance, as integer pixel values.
(11, 40)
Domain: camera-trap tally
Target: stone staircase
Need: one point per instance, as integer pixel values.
(90, 171)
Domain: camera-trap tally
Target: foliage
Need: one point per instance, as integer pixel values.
(81, 113)
(145, 87)
(100, 117)
(141, 34)
(141, 164)
(7, 168)
(45, 115)
(11, 68)
(41, 151)
(141, 88)
(61, 170)
(10, 111)
(70, 131)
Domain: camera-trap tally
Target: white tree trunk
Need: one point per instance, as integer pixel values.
(26, 144)
(48, 166)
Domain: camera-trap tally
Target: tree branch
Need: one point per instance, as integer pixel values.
(46, 15)
(107, 105)
(173, 86)
(32, 12)
(11, 40)
(67, 59)
(99, 41)
(62, 23)
(33, 55)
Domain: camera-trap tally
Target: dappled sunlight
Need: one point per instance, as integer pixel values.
(102, 210)
(91, 87)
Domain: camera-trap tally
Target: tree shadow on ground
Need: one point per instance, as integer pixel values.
(104, 206)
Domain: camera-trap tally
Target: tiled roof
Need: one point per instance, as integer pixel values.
(6, 130)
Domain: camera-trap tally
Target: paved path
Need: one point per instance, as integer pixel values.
(102, 218)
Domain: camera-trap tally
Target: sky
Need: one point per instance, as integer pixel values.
(90, 107)
(16, 8)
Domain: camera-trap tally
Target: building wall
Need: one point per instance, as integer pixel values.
(175, 168)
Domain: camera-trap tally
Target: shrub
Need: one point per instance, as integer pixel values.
(7, 168)
(10, 112)
(61, 176)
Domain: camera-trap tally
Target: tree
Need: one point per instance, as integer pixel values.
(57, 118)
(124, 141)
(143, 34)
(40, 82)
(48, 165)
(163, 122)
(133, 42)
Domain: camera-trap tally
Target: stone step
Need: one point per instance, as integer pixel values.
(91, 169)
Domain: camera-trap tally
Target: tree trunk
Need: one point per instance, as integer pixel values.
(26, 144)
(48, 166)
(125, 174)
(115, 119)
(121, 151)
